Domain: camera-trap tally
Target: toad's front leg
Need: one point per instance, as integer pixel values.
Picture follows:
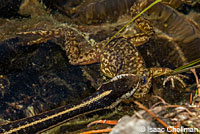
(158, 71)
(76, 57)
(142, 24)
(154, 72)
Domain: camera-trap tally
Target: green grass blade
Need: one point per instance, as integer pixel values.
(188, 65)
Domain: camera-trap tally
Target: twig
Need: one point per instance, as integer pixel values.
(153, 115)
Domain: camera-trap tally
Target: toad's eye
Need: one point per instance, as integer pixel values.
(143, 80)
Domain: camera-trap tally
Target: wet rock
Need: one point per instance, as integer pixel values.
(128, 125)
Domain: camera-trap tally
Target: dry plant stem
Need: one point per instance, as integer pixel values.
(197, 80)
(162, 100)
(98, 131)
(190, 98)
(180, 106)
(173, 106)
(153, 115)
(111, 122)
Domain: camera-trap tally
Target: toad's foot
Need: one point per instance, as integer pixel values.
(175, 77)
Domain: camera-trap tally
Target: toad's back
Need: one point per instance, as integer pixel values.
(120, 57)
